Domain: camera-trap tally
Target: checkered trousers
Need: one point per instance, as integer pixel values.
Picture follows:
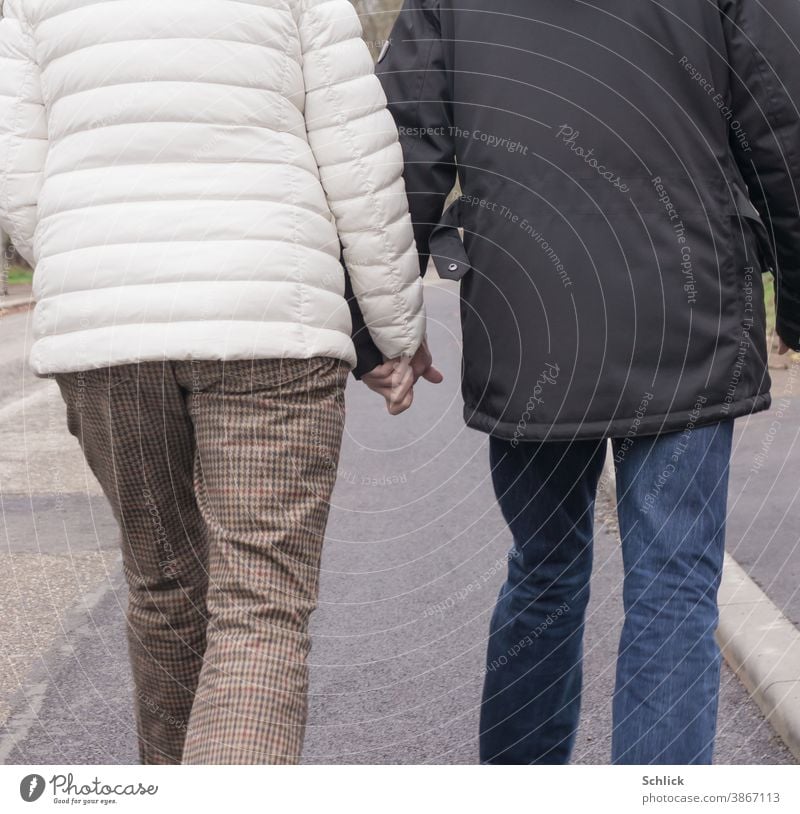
(220, 476)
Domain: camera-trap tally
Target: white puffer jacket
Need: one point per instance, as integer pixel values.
(181, 173)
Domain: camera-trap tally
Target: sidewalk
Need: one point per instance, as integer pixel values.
(761, 601)
(18, 297)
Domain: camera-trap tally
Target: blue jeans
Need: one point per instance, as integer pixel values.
(672, 498)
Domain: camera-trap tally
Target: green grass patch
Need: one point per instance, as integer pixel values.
(17, 275)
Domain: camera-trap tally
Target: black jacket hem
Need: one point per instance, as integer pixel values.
(616, 428)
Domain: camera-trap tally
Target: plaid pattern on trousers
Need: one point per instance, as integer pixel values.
(220, 476)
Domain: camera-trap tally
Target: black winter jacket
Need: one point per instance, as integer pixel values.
(628, 170)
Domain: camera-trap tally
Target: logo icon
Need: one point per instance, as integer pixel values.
(31, 788)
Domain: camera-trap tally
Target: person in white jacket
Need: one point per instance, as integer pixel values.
(184, 176)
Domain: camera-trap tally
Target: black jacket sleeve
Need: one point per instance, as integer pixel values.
(414, 76)
(762, 37)
(367, 353)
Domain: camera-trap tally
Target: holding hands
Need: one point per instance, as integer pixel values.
(395, 378)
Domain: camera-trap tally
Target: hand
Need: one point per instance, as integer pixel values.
(422, 365)
(783, 348)
(394, 380)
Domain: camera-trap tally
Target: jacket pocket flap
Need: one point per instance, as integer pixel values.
(747, 211)
(447, 248)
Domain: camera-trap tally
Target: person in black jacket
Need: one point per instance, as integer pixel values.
(628, 171)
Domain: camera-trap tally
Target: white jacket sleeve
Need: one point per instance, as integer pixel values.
(355, 143)
(23, 131)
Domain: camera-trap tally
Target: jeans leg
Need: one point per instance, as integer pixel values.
(672, 498)
(531, 698)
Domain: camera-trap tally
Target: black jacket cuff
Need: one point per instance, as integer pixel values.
(787, 324)
(367, 353)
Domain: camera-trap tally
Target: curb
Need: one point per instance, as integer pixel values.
(13, 304)
(758, 642)
(763, 648)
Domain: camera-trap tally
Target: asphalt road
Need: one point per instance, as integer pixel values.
(764, 498)
(16, 378)
(412, 563)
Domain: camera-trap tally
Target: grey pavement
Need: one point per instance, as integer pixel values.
(764, 527)
(413, 560)
(57, 539)
(16, 379)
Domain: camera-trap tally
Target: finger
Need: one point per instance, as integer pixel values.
(783, 348)
(395, 387)
(386, 392)
(380, 372)
(400, 407)
(433, 375)
(403, 381)
(392, 394)
(376, 383)
(383, 369)
(402, 367)
(401, 395)
(381, 389)
(420, 363)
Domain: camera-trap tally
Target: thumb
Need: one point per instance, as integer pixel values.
(433, 375)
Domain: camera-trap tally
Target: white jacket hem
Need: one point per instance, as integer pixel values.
(157, 342)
